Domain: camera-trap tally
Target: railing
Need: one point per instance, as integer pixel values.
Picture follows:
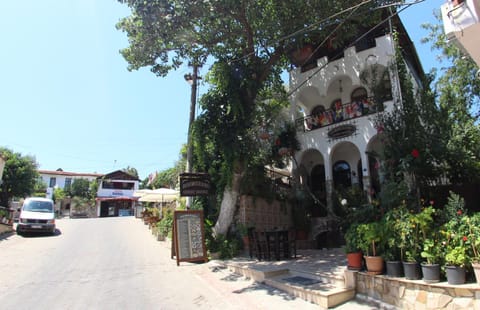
(342, 112)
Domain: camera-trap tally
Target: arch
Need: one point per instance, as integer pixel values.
(319, 109)
(376, 78)
(348, 153)
(358, 94)
(308, 97)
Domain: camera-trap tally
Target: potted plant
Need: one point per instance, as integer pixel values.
(370, 236)
(352, 248)
(392, 253)
(473, 239)
(432, 253)
(456, 243)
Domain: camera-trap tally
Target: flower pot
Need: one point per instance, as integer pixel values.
(394, 269)
(355, 260)
(374, 264)
(412, 270)
(476, 270)
(455, 274)
(431, 273)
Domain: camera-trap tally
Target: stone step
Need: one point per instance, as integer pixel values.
(322, 288)
(312, 289)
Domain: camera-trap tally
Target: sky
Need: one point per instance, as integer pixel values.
(67, 98)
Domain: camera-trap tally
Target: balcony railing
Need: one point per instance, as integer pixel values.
(342, 112)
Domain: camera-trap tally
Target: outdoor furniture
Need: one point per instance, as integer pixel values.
(277, 244)
(258, 244)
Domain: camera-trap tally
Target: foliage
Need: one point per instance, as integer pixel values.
(432, 251)
(458, 89)
(3, 213)
(80, 188)
(352, 239)
(455, 240)
(58, 194)
(167, 178)
(166, 223)
(370, 236)
(19, 176)
(455, 206)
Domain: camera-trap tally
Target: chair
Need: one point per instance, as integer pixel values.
(257, 245)
(292, 240)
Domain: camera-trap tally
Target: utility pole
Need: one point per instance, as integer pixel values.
(192, 80)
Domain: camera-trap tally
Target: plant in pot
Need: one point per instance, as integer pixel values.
(370, 236)
(352, 248)
(472, 224)
(392, 253)
(433, 255)
(456, 244)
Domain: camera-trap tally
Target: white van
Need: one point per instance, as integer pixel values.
(36, 215)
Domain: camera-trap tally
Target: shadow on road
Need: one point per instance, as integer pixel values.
(57, 233)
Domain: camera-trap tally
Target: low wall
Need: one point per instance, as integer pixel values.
(410, 294)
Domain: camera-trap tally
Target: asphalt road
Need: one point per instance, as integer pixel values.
(115, 263)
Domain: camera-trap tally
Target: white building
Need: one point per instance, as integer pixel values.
(334, 110)
(61, 179)
(461, 22)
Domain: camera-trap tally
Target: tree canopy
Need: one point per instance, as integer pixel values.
(19, 176)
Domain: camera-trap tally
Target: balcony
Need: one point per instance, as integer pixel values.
(461, 21)
(341, 113)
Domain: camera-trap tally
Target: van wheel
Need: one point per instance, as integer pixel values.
(19, 233)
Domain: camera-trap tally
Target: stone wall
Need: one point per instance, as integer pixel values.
(416, 294)
(264, 215)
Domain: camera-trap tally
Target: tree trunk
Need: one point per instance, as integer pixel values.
(229, 205)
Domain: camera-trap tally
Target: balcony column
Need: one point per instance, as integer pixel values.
(329, 189)
(367, 184)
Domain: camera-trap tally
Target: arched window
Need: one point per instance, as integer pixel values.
(359, 94)
(342, 174)
(319, 109)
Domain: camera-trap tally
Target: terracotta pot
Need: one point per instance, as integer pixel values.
(374, 264)
(355, 261)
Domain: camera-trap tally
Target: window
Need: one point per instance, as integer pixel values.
(68, 182)
(53, 182)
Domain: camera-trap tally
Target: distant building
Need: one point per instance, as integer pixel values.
(115, 194)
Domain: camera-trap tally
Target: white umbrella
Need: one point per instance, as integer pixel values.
(158, 195)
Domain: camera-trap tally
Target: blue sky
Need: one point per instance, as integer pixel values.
(67, 99)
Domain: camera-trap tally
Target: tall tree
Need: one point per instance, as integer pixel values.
(131, 171)
(19, 176)
(250, 41)
(458, 89)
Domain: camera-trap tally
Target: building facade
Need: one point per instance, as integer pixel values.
(336, 97)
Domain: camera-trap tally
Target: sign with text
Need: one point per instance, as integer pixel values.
(194, 184)
(188, 236)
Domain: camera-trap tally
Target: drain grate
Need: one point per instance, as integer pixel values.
(301, 280)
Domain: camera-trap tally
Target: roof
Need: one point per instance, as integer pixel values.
(72, 174)
(119, 175)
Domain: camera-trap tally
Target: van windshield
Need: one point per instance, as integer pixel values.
(38, 206)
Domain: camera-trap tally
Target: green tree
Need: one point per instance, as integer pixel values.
(19, 176)
(249, 42)
(80, 188)
(458, 88)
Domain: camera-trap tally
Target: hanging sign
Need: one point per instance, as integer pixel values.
(188, 238)
(194, 184)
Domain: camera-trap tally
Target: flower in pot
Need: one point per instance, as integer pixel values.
(456, 244)
(370, 236)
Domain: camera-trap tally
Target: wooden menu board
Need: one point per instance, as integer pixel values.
(188, 236)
